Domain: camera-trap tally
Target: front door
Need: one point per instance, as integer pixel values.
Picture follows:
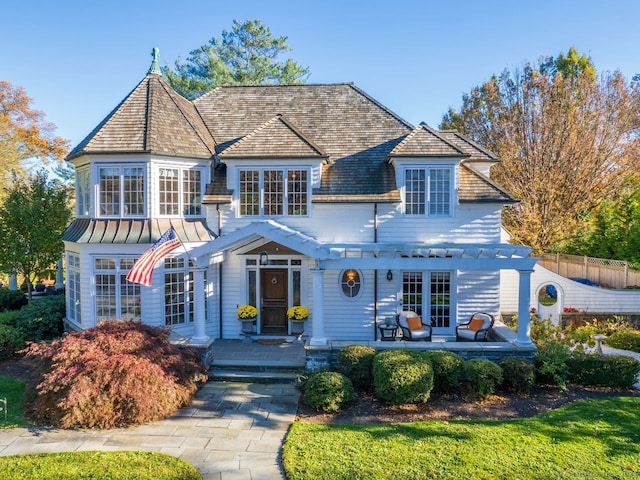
(273, 308)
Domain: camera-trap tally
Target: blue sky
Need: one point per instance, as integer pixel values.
(79, 59)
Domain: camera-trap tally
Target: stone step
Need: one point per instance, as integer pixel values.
(217, 374)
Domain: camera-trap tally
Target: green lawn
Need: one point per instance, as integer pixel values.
(97, 465)
(13, 390)
(590, 439)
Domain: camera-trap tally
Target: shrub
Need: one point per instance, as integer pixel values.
(328, 391)
(518, 374)
(402, 376)
(483, 376)
(551, 364)
(625, 340)
(12, 299)
(42, 318)
(448, 368)
(10, 341)
(9, 317)
(356, 362)
(113, 375)
(603, 370)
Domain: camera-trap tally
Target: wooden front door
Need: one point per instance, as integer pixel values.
(274, 302)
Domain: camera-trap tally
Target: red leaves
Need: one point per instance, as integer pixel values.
(113, 375)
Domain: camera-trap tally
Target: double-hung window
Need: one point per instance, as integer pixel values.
(180, 191)
(122, 191)
(83, 191)
(179, 305)
(273, 192)
(428, 191)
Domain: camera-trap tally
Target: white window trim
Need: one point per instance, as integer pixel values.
(119, 274)
(181, 206)
(121, 214)
(285, 204)
(427, 203)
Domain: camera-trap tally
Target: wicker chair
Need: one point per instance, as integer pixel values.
(476, 329)
(413, 334)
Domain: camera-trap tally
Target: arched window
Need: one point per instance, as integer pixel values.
(350, 282)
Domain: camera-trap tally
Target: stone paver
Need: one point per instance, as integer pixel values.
(233, 430)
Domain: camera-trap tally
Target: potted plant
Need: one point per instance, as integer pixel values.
(297, 315)
(247, 314)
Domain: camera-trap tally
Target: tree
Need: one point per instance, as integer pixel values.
(245, 56)
(24, 133)
(565, 138)
(32, 219)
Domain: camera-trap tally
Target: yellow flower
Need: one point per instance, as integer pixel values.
(247, 312)
(297, 313)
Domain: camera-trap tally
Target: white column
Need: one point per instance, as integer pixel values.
(199, 333)
(317, 315)
(13, 282)
(59, 275)
(524, 301)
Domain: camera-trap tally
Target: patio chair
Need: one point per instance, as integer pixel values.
(412, 327)
(476, 329)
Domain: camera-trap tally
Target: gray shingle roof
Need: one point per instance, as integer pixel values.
(475, 187)
(423, 141)
(277, 138)
(338, 123)
(153, 118)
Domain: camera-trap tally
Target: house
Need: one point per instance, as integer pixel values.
(283, 195)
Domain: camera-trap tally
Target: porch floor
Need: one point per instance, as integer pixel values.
(238, 354)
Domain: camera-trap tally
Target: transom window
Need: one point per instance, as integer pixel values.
(273, 192)
(428, 191)
(180, 191)
(122, 191)
(115, 297)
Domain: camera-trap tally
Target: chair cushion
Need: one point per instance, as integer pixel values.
(414, 323)
(467, 334)
(476, 324)
(417, 334)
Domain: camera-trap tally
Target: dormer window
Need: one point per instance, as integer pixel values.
(122, 191)
(428, 191)
(180, 191)
(273, 192)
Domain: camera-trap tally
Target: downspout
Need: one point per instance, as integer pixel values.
(375, 275)
(219, 279)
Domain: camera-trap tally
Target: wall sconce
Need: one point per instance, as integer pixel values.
(389, 275)
(264, 259)
(351, 274)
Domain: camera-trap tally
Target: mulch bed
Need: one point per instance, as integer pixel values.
(366, 409)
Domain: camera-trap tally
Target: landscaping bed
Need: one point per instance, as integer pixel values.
(366, 409)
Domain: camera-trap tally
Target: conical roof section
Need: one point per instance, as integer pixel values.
(153, 118)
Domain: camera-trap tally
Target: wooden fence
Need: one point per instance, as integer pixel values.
(616, 274)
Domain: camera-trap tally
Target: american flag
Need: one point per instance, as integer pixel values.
(142, 270)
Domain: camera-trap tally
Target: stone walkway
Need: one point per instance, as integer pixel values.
(233, 430)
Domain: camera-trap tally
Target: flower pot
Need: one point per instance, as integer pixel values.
(297, 327)
(247, 325)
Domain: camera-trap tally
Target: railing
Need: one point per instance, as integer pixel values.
(616, 274)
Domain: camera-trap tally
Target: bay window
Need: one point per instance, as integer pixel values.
(180, 191)
(121, 191)
(115, 297)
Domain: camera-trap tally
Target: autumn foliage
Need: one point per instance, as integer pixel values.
(114, 375)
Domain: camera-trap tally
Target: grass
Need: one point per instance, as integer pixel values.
(131, 465)
(13, 390)
(593, 438)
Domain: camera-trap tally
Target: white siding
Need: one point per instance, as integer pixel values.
(572, 294)
(471, 224)
(478, 291)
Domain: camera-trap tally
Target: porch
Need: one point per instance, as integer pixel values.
(285, 358)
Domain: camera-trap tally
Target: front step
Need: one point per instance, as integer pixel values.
(218, 374)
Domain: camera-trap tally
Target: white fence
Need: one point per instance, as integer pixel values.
(616, 274)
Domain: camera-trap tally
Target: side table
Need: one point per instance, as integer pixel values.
(388, 332)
